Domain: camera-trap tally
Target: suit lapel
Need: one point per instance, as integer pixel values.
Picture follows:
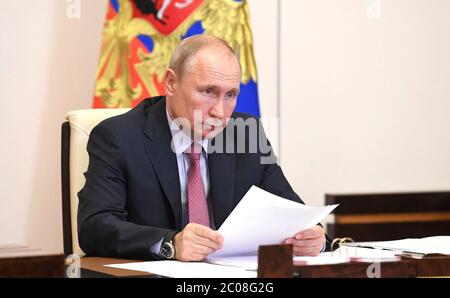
(162, 157)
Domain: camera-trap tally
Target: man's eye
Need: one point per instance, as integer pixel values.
(231, 95)
(208, 91)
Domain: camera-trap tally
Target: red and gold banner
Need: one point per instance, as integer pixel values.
(140, 35)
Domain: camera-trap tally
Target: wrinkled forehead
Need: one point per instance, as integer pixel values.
(212, 74)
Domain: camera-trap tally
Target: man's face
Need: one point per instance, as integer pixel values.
(208, 90)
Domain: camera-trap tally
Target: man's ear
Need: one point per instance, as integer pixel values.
(170, 81)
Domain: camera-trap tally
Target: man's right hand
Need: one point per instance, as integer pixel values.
(195, 242)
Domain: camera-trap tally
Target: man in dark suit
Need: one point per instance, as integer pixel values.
(164, 176)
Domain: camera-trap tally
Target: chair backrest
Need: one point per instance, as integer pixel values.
(74, 162)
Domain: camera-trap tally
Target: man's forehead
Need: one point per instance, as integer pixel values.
(217, 58)
(220, 74)
(210, 72)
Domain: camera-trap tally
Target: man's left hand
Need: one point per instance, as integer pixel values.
(309, 242)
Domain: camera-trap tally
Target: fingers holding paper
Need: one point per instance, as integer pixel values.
(309, 242)
(195, 242)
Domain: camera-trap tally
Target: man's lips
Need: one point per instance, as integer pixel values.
(210, 126)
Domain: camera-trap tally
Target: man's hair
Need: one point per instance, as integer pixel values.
(181, 60)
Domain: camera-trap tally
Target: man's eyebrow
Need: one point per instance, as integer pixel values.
(208, 86)
(235, 90)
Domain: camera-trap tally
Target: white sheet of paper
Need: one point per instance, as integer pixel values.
(428, 245)
(263, 218)
(187, 269)
(247, 262)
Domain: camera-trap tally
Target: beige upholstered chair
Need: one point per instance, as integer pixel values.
(74, 162)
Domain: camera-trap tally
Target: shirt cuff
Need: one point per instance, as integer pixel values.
(324, 247)
(156, 248)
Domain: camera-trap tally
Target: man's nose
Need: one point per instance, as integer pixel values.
(217, 110)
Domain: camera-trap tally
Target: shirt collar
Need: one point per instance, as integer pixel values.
(182, 142)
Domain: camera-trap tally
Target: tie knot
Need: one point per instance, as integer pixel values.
(194, 152)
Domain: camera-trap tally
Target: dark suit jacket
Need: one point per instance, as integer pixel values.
(131, 197)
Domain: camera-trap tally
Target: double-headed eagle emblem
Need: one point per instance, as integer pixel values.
(126, 74)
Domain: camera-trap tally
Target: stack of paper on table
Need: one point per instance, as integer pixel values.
(362, 254)
(260, 218)
(421, 246)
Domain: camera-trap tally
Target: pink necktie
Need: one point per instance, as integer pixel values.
(197, 204)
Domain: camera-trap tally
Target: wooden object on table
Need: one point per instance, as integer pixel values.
(23, 261)
(97, 264)
(273, 261)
